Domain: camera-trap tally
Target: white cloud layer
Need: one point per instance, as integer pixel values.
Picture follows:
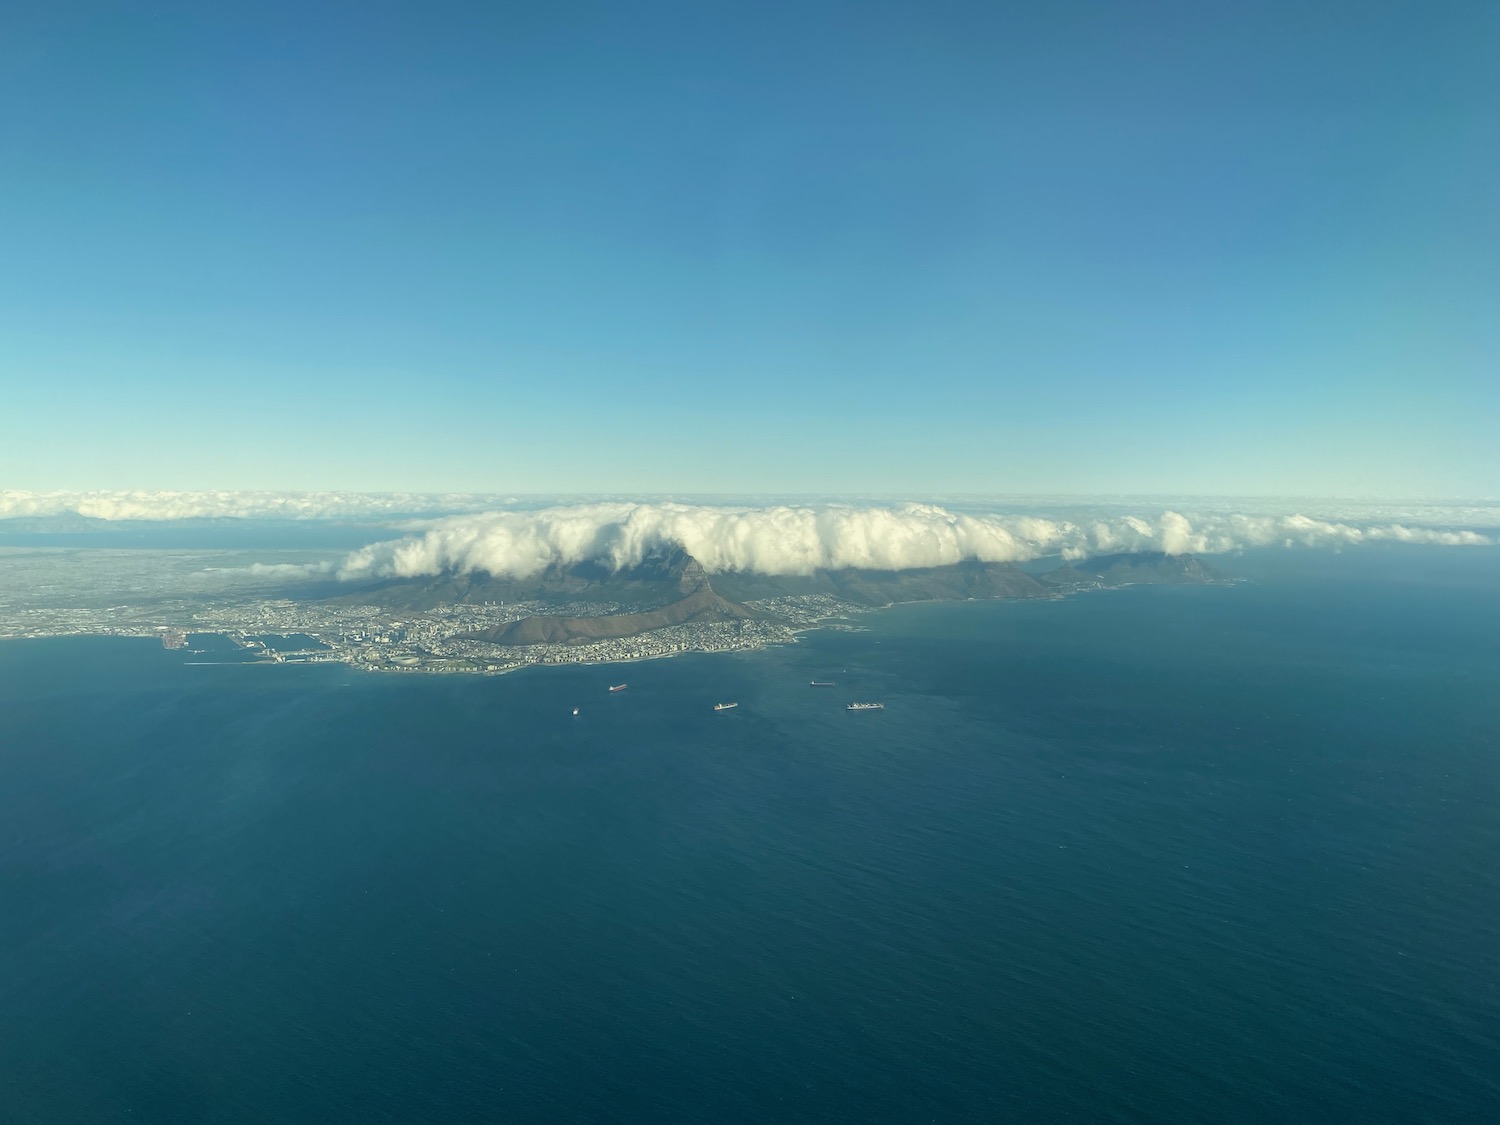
(504, 536)
(167, 505)
(799, 540)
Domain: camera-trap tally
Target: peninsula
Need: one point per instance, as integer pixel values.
(584, 613)
(587, 613)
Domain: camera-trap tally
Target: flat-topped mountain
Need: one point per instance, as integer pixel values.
(705, 603)
(672, 588)
(658, 580)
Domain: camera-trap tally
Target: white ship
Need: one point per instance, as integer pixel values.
(866, 707)
(619, 687)
(724, 706)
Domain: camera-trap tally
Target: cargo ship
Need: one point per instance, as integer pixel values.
(619, 687)
(824, 683)
(724, 706)
(866, 707)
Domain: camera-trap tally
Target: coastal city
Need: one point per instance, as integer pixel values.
(372, 638)
(441, 639)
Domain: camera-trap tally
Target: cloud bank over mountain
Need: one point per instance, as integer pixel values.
(787, 539)
(468, 532)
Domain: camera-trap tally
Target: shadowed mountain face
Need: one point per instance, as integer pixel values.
(704, 603)
(659, 580)
(671, 588)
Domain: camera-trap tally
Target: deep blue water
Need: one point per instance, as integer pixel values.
(1148, 855)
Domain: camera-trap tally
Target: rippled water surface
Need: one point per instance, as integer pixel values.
(1157, 854)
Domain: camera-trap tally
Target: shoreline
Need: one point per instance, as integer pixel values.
(432, 664)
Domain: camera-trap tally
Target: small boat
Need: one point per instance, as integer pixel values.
(724, 706)
(575, 710)
(619, 687)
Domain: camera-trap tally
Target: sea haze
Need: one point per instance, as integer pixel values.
(1167, 854)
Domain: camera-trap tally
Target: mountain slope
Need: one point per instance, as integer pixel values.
(672, 588)
(702, 605)
(659, 580)
(958, 582)
(1149, 566)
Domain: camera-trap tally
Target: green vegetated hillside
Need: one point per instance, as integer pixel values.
(702, 605)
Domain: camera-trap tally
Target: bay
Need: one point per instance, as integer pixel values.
(1153, 854)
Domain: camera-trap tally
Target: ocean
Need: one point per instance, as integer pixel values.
(1157, 854)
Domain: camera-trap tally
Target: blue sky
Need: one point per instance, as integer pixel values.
(1075, 248)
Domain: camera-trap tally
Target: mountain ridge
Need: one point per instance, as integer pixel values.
(672, 588)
